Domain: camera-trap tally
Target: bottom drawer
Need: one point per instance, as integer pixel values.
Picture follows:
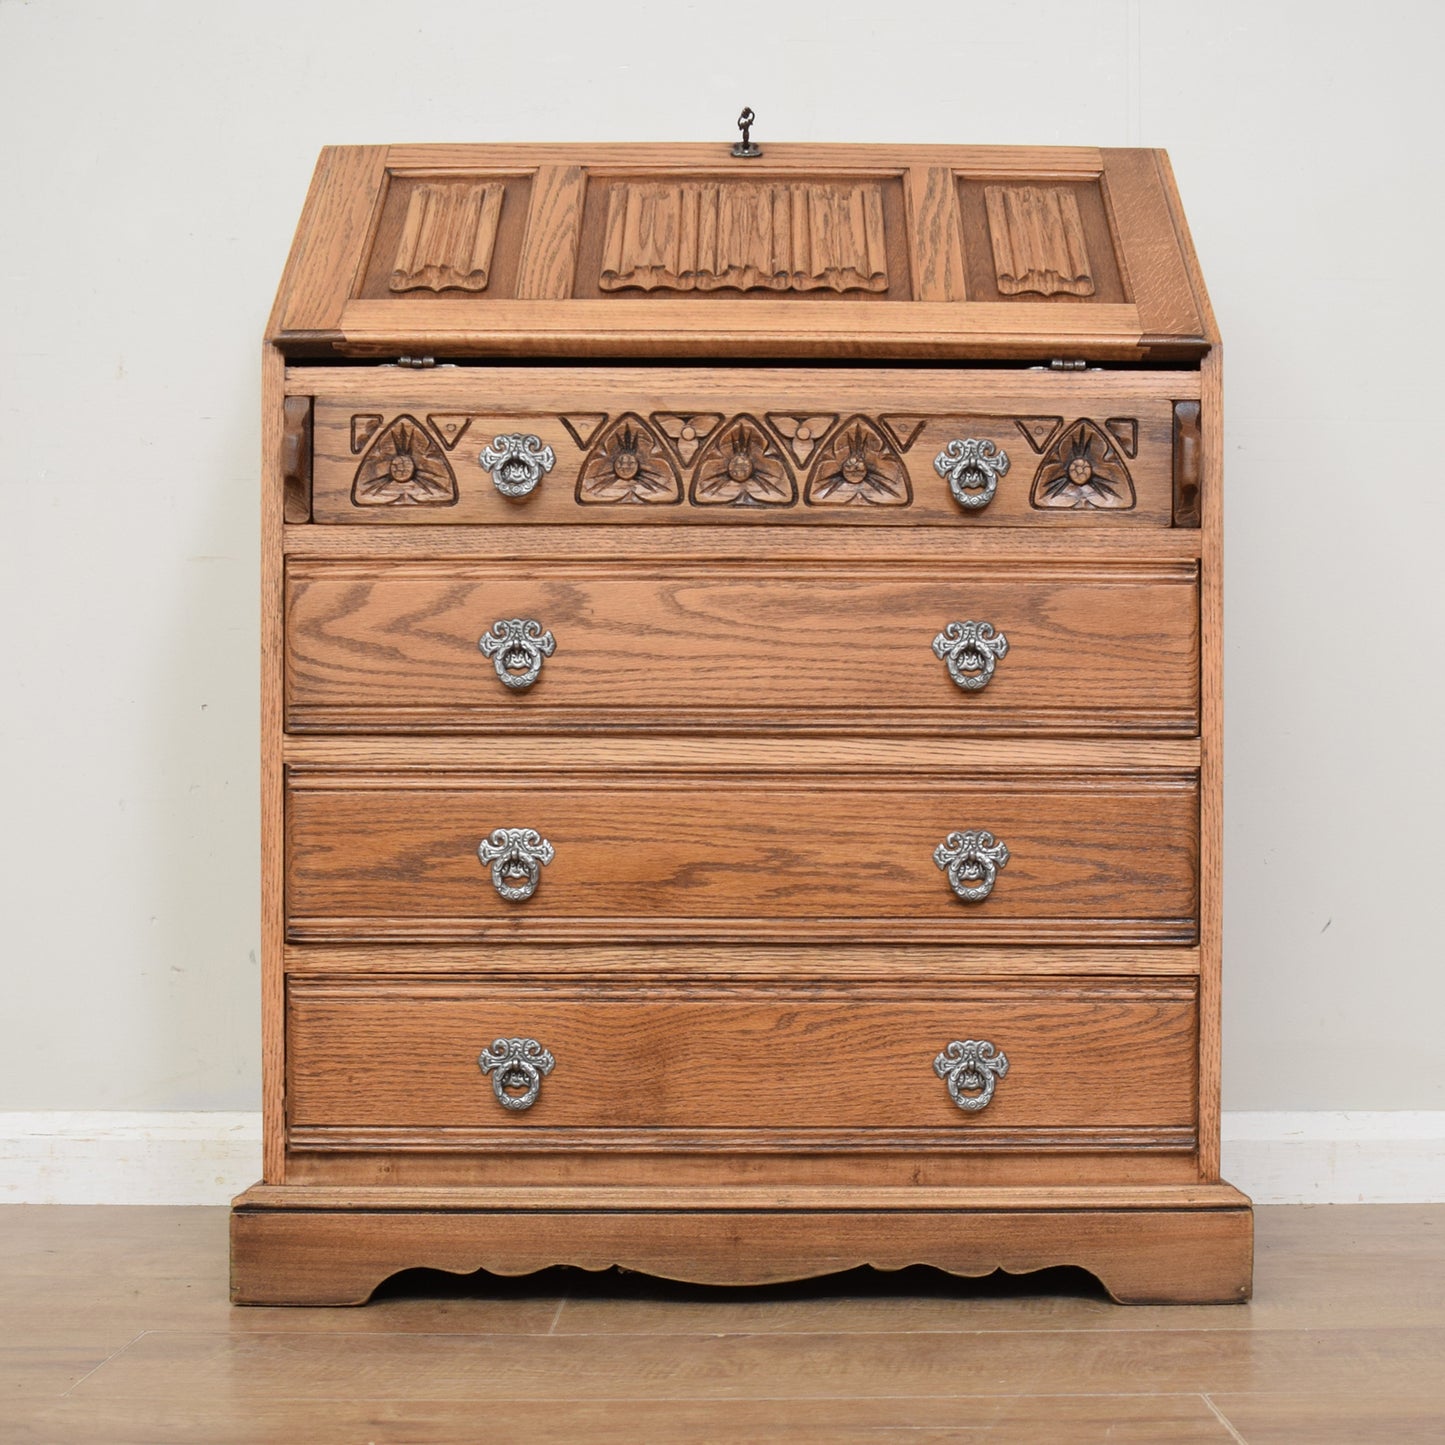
(1095, 1059)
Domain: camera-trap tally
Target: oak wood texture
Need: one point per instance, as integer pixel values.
(550, 302)
(403, 1054)
(622, 456)
(742, 747)
(115, 1329)
(804, 857)
(1141, 1256)
(395, 647)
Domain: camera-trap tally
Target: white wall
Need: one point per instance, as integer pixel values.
(155, 156)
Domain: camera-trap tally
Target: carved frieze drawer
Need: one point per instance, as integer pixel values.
(963, 649)
(957, 449)
(576, 853)
(414, 1062)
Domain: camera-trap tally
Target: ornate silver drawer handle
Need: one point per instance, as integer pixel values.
(517, 856)
(517, 463)
(971, 467)
(972, 1064)
(517, 647)
(516, 1064)
(971, 650)
(971, 860)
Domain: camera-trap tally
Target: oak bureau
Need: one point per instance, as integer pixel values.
(741, 721)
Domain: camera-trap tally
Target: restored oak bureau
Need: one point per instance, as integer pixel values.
(741, 721)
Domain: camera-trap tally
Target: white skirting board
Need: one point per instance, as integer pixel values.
(61, 1157)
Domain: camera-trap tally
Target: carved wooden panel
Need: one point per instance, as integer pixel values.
(744, 236)
(404, 467)
(743, 465)
(1083, 467)
(628, 463)
(447, 237)
(749, 447)
(1038, 241)
(859, 464)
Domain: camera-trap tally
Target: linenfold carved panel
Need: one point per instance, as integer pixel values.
(744, 236)
(1038, 241)
(448, 237)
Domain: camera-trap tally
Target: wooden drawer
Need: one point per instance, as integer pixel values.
(1092, 1059)
(395, 855)
(1093, 649)
(745, 445)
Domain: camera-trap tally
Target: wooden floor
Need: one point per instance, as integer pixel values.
(114, 1327)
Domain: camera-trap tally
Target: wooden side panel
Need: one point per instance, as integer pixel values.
(331, 241)
(397, 646)
(1113, 858)
(554, 225)
(406, 1055)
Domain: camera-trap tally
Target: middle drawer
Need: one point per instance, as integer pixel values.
(582, 853)
(991, 648)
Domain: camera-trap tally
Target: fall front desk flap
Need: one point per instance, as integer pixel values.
(831, 252)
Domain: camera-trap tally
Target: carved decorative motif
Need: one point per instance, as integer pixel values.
(1038, 241)
(744, 236)
(451, 428)
(584, 425)
(364, 426)
(404, 467)
(742, 465)
(1038, 430)
(447, 237)
(903, 429)
(802, 433)
(1125, 431)
(686, 431)
(628, 463)
(859, 465)
(1083, 468)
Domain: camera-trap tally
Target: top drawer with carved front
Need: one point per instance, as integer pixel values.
(955, 448)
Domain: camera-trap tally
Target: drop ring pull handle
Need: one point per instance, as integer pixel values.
(971, 651)
(971, 466)
(517, 646)
(517, 856)
(971, 1068)
(516, 1064)
(972, 860)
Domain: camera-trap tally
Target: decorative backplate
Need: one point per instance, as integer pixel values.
(628, 463)
(1083, 468)
(447, 237)
(859, 465)
(404, 467)
(1038, 241)
(743, 465)
(744, 236)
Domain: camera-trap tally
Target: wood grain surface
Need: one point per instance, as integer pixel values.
(404, 1054)
(396, 646)
(1115, 858)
